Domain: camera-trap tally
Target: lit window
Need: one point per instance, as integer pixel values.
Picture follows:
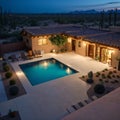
(42, 41)
(69, 40)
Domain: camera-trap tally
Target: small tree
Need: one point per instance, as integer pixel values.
(8, 75)
(6, 68)
(99, 89)
(12, 82)
(58, 40)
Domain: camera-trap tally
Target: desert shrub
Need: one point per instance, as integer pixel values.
(13, 90)
(113, 76)
(100, 80)
(99, 89)
(83, 76)
(63, 50)
(108, 76)
(118, 76)
(116, 81)
(4, 63)
(112, 82)
(115, 71)
(89, 81)
(8, 75)
(110, 72)
(103, 76)
(106, 69)
(97, 74)
(6, 68)
(10, 57)
(12, 82)
(106, 81)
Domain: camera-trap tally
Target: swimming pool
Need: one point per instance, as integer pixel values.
(45, 70)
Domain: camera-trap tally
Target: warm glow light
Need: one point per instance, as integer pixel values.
(19, 73)
(69, 40)
(54, 54)
(53, 51)
(1, 58)
(111, 51)
(45, 64)
(68, 70)
(84, 43)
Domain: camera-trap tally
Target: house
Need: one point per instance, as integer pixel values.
(102, 45)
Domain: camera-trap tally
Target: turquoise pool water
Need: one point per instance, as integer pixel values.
(45, 70)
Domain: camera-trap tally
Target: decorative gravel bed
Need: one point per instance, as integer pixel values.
(8, 85)
(109, 78)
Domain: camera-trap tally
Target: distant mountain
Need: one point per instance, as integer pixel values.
(118, 11)
(84, 12)
(91, 11)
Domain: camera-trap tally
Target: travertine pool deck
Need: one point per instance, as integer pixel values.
(48, 101)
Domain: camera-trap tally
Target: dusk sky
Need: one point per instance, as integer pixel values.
(56, 6)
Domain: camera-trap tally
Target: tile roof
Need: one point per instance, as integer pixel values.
(111, 39)
(92, 35)
(49, 30)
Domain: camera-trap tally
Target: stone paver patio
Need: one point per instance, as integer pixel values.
(48, 101)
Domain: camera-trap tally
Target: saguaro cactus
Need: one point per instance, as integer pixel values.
(90, 77)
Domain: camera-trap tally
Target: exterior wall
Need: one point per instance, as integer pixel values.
(46, 47)
(69, 44)
(83, 50)
(32, 43)
(115, 55)
(81, 47)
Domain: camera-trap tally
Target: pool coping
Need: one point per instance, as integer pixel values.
(22, 77)
(51, 58)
